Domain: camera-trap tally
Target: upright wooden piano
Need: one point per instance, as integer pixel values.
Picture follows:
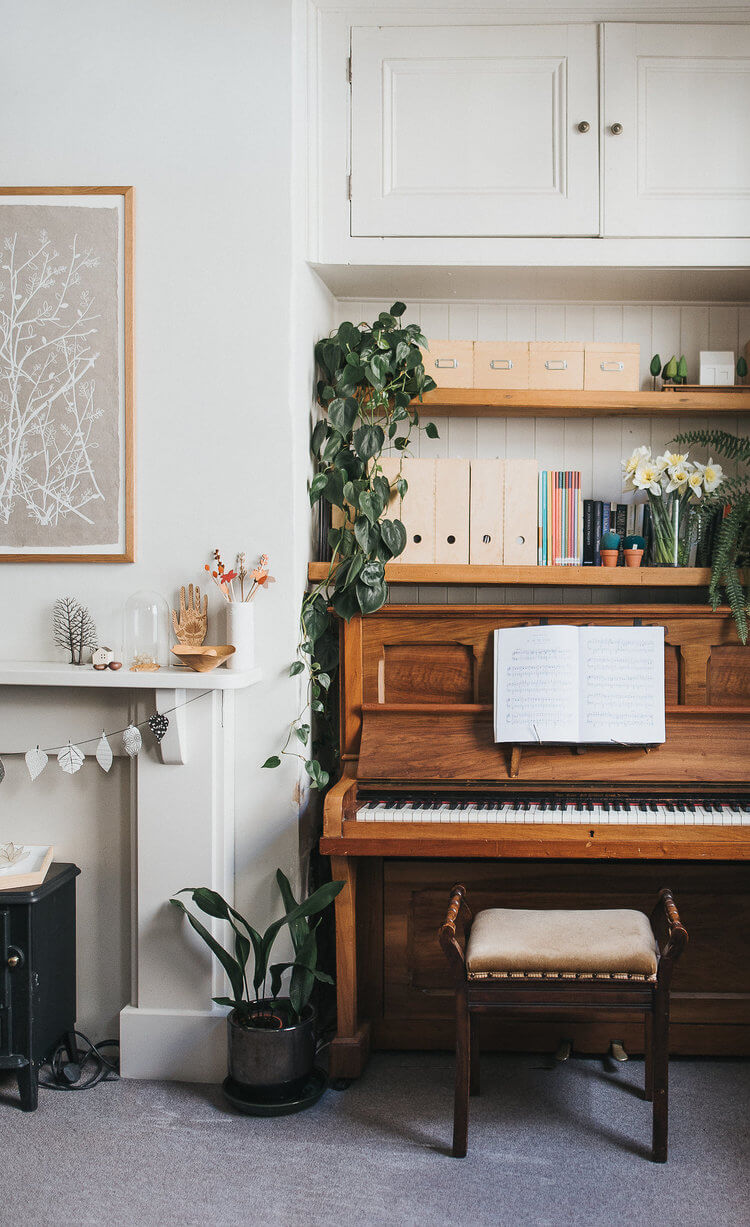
(427, 797)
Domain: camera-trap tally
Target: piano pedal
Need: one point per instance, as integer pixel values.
(564, 1049)
(617, 1050)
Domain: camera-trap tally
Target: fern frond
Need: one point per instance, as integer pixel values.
(737, 603)
(731, 446)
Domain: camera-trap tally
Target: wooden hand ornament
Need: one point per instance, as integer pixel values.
(190, 628)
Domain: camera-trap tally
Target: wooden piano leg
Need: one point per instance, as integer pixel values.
(350, 1048)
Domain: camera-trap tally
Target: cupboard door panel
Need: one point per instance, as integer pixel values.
(474, 131)
(682, 96)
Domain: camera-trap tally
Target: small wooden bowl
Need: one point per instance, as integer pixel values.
(204, 658)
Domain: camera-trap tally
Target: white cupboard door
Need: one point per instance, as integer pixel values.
(474, 130)
(681, 96)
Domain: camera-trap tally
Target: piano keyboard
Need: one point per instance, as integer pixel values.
(732, 812)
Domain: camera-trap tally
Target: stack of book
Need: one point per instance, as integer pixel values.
(560, 524)
(625, 519)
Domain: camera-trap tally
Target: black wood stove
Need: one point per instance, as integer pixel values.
(37, 975)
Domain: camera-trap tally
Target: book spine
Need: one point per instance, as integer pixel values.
(598, 533)
(621, 524)
(588, 532)
(580, 524)
(606, 517)
(539, 520)
(647, 534)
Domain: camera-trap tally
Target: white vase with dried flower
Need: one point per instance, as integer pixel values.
(239, 588)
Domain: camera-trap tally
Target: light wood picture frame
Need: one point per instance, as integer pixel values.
(67, 419)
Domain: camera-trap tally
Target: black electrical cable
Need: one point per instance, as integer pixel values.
(67, 1075)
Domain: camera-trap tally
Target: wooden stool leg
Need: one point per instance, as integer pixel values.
(474, 1080)
(463, 1060)
(648, 1057)
(660, 1076)
(28, 1087)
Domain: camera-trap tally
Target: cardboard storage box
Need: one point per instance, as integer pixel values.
(612, 368)
(450, 363)
(501, 364)
(555, 364)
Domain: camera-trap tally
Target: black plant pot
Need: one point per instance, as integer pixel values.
(276, 1058)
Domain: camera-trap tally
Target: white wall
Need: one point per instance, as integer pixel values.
(192, 104)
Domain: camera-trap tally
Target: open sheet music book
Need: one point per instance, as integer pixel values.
(580, 684)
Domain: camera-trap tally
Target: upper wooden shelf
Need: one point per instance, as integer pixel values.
(582, 577)
(495, 402)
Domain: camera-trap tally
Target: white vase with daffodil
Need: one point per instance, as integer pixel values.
(674, 485)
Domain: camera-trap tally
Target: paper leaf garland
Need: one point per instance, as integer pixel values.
(104, 753)
(36, 761)
(158, 725)
(132, 741)
(70, 759)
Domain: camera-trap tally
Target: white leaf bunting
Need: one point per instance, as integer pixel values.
(132, 741)
(70, 759)
(36, 761)
(104, 753)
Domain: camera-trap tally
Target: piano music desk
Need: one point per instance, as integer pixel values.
(416, 728)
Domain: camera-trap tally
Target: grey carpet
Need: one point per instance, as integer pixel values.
(548, 1147)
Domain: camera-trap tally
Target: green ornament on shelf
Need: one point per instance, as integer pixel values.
(670, 370)
(741, 368)
(682, 369)
(611, 541)
(635, 543)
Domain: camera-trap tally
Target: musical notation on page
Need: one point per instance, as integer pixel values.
(580, 684)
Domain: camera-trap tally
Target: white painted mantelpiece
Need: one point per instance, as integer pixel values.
(183, 835)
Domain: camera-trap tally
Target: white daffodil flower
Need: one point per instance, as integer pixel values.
(713, 475)
(695, 481)
(646, 477)
(639, 455)
(671, 460)
(679, 476)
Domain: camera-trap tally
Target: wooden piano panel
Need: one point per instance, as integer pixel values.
(711, 987)
(435, 672)
(729, 676)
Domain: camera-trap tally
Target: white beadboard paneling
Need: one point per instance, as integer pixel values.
(462, 437)
(723, 326)
(435, 319)
(665, 332)
(521, 322)
(608, 323)
(463, 320)
(578, 450)
(743, 331)
(636, 327)
(492, 324)
(579, 322)
(550, 322)
(693, 334)
(607, 457)
(520, 438)
(492, 438)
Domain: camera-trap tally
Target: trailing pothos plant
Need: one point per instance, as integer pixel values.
(370, 377)
(730, 545)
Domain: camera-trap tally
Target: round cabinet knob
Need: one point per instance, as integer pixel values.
(583, 126)
(13, 961)
(616, 129)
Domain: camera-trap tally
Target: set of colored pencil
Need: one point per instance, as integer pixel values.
(560, 527)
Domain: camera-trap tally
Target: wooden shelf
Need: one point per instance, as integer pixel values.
(582, 577)
(493, 402)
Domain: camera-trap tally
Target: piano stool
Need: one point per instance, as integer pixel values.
(576, 965)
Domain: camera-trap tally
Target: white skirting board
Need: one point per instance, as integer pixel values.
(178, 1045)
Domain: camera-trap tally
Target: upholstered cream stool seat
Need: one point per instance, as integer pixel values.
(601, 965)
(515, 942)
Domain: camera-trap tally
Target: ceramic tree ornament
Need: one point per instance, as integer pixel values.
(36, 761)
(132, 741)
(104, 753)
(158, 725)
(70, 759)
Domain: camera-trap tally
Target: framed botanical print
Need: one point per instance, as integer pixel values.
(66, 374)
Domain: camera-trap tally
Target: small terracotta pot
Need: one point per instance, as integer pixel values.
(609, 558)
(633, 558)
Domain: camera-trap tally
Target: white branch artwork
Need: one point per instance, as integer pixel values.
(48, 400)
